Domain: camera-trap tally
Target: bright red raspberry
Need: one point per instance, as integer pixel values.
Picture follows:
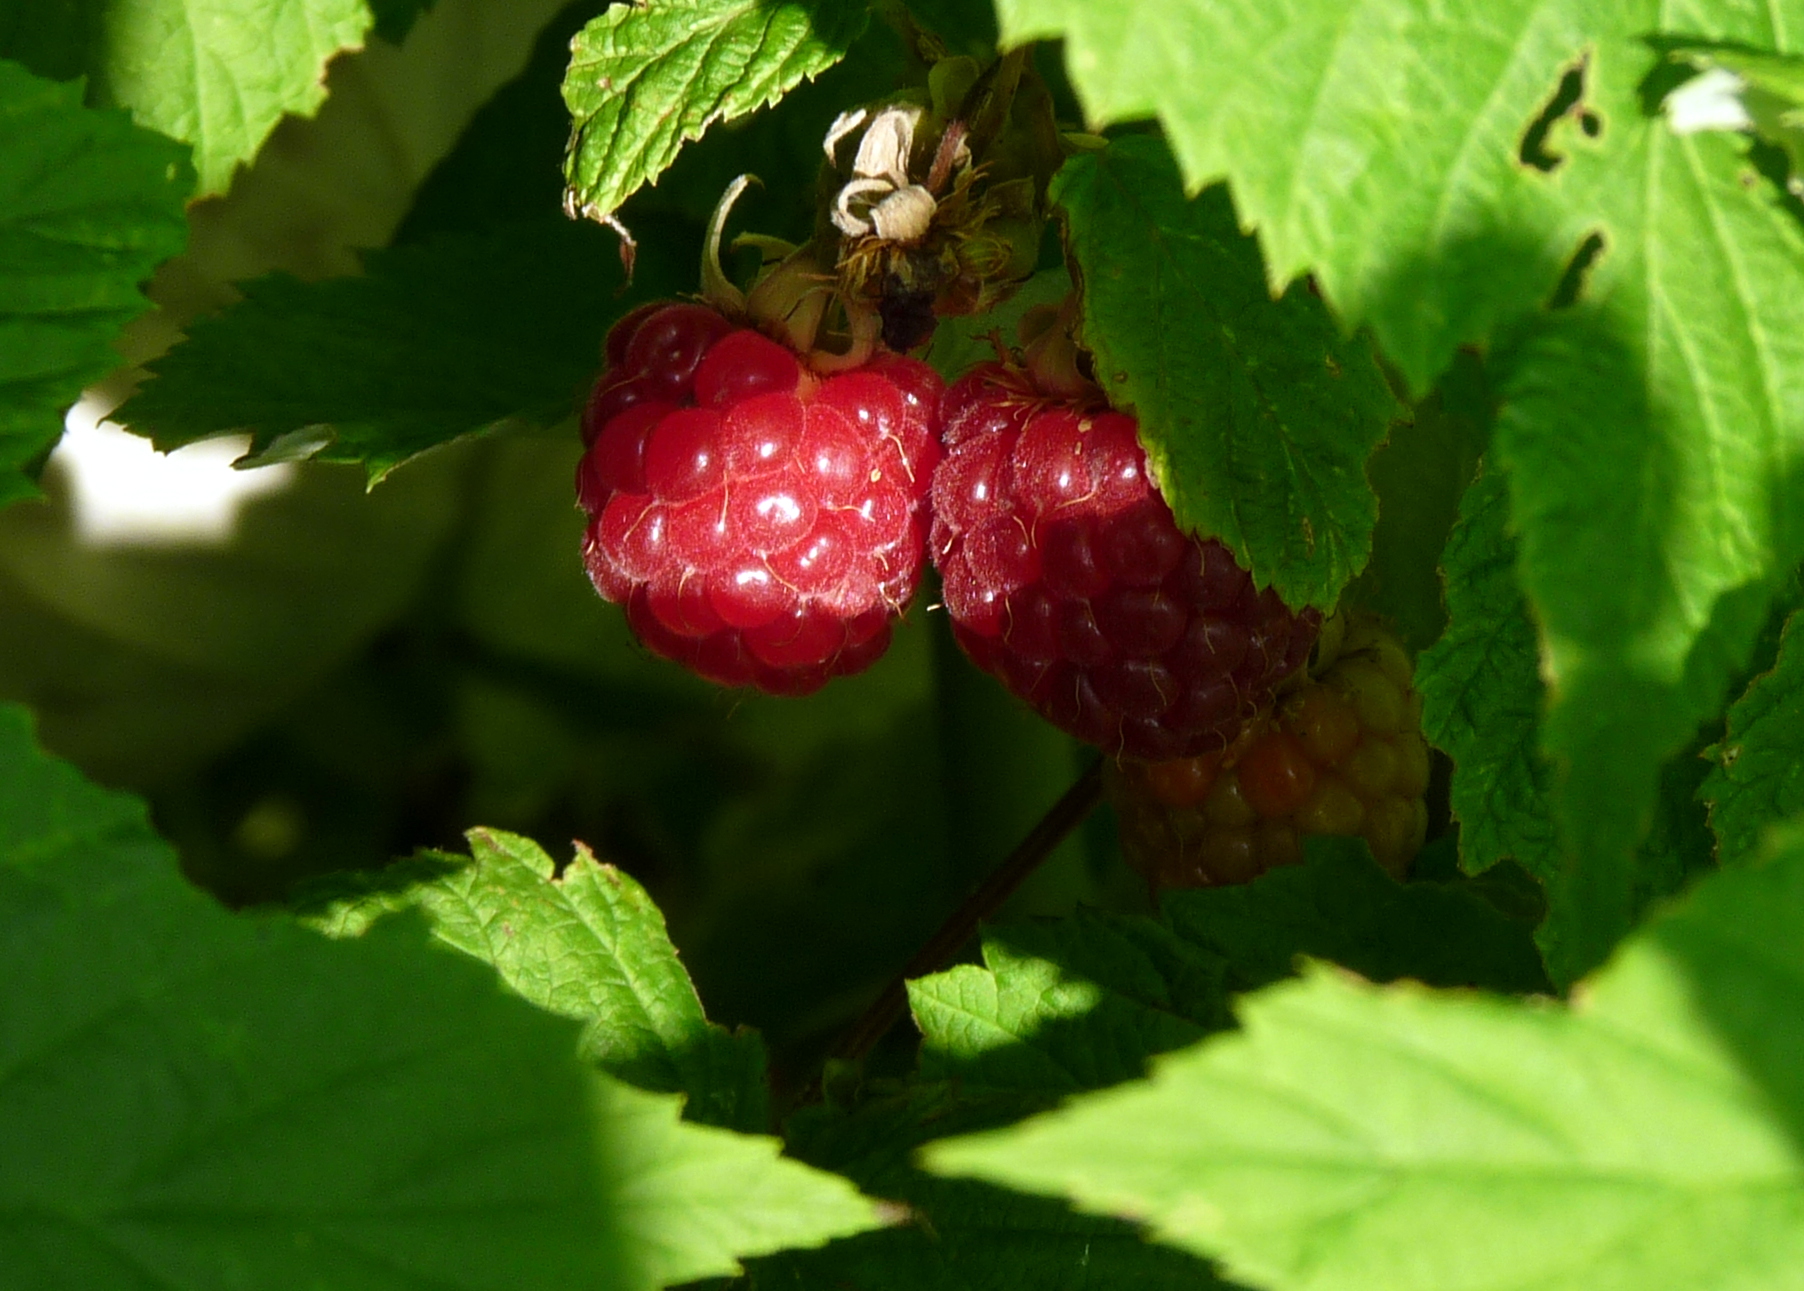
(762, 524)
(1067, 577)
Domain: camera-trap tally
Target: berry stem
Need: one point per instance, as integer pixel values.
(1064, 816)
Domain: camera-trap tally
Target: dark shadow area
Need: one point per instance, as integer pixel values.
(959, 1234)
(1159, 985)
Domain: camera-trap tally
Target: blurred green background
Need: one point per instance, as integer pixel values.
(350, 676)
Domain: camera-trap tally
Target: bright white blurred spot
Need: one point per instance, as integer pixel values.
(127, 493)
(1711, 101)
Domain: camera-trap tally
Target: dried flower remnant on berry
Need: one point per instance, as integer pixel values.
(938, 207)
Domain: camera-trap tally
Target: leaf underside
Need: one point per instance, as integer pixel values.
(433, 342)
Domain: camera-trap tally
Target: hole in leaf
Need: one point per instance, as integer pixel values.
(1578, 269)
(1533, 150)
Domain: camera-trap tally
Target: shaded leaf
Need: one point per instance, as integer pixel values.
(1257, 416)
(585, 942)
(395, 18)
(1757, 778)
(1080, 1003)
(1482, 696)
(1420, 475)
(89, 205)
(960, 1235)
(1340, 906)
(1647, 431)
(1426, 168)
(200, 1100)
(217, 74)
(1352, 1136)
(431, 343)
(962, 342)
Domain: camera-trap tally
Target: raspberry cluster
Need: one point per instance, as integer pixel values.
(1342, 753)
(1066, 576)
(761, 524)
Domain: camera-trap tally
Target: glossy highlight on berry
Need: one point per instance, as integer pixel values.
(761, 524)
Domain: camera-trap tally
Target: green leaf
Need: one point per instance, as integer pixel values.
(1257, 416)
(1779, 75)
(1352, 1136)
(1075, 1004)
(1646, 430)
(1483, 701)
(1425, 168)
(1771, 90)
(780, 145)
(1482, 695)
(587, 943)
(962, 1235)
(696, 1200)
(89, 205)
(1068, 1006)
(1340, 906)
(1372, 146)
(217, 74)
(1420, 475)
(431, 343)
(1084, 1002)
(1758, 776)
(201, 1100)
(645, 79)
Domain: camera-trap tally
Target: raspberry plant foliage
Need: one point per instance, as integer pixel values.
(91, 205)
(1462, 315)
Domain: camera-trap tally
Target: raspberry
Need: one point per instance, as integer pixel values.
(1341, 754)
(1067, 577)
(761, 524)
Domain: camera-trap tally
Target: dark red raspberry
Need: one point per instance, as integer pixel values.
(762, 524)
(1067, 578)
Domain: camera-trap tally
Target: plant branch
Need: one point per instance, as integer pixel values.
(1060, 820)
